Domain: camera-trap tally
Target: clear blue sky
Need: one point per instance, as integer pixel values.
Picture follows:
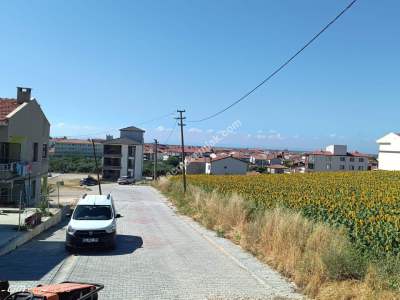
(96, 66)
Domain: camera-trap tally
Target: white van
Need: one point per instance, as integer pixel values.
(93, 223)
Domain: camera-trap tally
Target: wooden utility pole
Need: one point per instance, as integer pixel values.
(155, 160)
(97, 167)
(181, 118)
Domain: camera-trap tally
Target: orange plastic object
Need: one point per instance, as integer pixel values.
(51, 291)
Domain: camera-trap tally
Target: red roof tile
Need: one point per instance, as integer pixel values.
(357, 154)
(7, 106)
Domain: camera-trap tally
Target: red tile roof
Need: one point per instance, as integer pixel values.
(357, 154)
(7, 106)
(198, 160)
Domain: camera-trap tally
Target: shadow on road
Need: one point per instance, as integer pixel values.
(35, 259)
(126, 244)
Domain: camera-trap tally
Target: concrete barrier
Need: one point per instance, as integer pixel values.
(30, 234)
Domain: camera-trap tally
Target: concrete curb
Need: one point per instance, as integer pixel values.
(28, 235)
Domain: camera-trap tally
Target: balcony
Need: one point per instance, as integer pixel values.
(110, 167)
(112, 155)
(112, 151)
(10, 170)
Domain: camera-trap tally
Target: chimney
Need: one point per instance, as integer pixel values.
(23, 95)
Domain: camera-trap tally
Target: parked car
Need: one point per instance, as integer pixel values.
(93, 223)
(126, 180)
(88, 181)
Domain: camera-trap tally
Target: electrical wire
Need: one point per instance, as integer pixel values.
(171, 133)
(279, 68)
(157, 118)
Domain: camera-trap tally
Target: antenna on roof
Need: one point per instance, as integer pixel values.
(84, 195)
(108, 196)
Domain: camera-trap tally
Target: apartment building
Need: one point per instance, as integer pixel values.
(24, 137)
(389, 152)
(335, 158)
(74, 147)
(123, 156)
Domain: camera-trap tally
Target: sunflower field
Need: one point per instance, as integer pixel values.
(367, 204)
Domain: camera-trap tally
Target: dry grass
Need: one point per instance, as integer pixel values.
(318, 258)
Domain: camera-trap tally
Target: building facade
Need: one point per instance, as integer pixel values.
(335, 158)
(389, 152)
(196, 165)
(74, 147)
(226, 166)
(24, 138)
(123, 156)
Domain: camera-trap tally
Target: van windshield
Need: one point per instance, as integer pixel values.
(92, 212)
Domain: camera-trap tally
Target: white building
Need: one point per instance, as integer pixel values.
(336, 158)
(389, 152)
(75, 147)
(226, 166)
(124, 156)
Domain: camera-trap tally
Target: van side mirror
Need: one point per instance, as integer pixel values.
(118, 216)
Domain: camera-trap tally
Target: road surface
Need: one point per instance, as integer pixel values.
(159, 255)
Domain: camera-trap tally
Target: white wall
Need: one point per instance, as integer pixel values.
(124, 160)
(138, 162)
(389, 152)
(28, 125)
(389, 161)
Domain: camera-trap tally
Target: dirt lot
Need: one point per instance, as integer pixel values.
(70, 191)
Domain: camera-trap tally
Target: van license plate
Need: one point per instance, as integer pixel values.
(90, 240)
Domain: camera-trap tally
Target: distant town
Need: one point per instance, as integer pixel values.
(28, 153)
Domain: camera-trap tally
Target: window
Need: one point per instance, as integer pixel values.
(351, 159)
(341, 167)
(351, 168)
(328, 166)
(92, 212)
(4, 195)
(131, 163)
(112, 161)
(361, 159)
(342, 158)
(360, 168)
(44, 151)
(33, 189)
(311, 166)
(131, 150)
(35, 151)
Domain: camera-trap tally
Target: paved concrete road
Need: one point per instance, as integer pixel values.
(160, 255)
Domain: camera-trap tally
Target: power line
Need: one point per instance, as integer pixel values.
(171, 133)
(281, 67)
(157, 118)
